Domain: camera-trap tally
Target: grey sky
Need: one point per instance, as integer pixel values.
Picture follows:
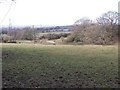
(54, 12)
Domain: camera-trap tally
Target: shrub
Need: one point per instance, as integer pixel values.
(53, 36)
(70, 38)
(6, 38)
(93, 34)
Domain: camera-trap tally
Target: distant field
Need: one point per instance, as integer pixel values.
(52, 33)
(58, 66)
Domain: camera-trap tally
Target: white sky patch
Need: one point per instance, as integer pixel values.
(54, 12)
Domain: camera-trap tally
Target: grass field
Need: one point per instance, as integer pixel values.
(59, 66)
(40, 34)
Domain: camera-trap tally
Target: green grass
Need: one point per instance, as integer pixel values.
(49, 66)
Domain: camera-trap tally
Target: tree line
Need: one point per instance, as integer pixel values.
(105, 30)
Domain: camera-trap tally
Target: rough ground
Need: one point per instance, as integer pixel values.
(64, 66)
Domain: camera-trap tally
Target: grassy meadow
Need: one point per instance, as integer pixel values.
(59, 66)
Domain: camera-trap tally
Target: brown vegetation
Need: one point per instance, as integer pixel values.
(105, 31)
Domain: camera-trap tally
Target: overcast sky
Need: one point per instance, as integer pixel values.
(53, 12)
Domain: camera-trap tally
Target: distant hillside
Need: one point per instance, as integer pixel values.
(39, 29)
(54, 29)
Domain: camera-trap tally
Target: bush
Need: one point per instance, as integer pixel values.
(70, 38)
(6, 38)
(28, 35)
(93, 34)
(53, 36)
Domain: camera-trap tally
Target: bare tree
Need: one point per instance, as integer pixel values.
(109, 18)
(109, 21)
(103, 32)
(84, 21)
